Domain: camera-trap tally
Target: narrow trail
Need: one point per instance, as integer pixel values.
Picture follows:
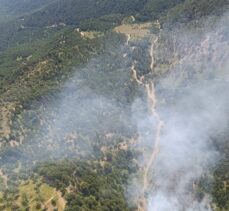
(61, 203)
(128, 39)
(61, 200)
(152, 101)
(152, 53)
(135, 76)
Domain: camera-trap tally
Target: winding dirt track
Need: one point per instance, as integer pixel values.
(152, 54)
(134, 74)
(152, 100)
(128, 39)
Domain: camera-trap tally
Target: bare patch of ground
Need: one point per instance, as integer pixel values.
(136, 31)
(6, 111)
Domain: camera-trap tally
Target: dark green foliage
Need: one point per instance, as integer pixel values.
(25, 201)
(92, 187)
(154, 8)
(64, 49)
(216, 183)
(53, 202)
(103, 23)
(74, 11)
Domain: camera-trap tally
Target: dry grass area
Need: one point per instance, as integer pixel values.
(136, 31)
(91, 34)
(43, 193)
(5, 118)
(37, 197)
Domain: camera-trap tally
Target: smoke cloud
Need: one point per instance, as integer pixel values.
(192, 102)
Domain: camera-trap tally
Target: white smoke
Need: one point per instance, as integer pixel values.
(193, 110)
(185, 148)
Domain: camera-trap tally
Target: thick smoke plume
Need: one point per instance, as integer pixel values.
(193, 106)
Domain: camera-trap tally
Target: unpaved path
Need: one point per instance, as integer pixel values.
(61, 203)
(151, 95)
(152, 101)
(134, 74)
(128, 39)
(152, 53)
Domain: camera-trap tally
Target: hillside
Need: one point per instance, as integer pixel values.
(114, 105)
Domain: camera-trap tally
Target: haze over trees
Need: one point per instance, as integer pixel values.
(114, 105)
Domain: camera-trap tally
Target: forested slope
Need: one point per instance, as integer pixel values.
(77, 80)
